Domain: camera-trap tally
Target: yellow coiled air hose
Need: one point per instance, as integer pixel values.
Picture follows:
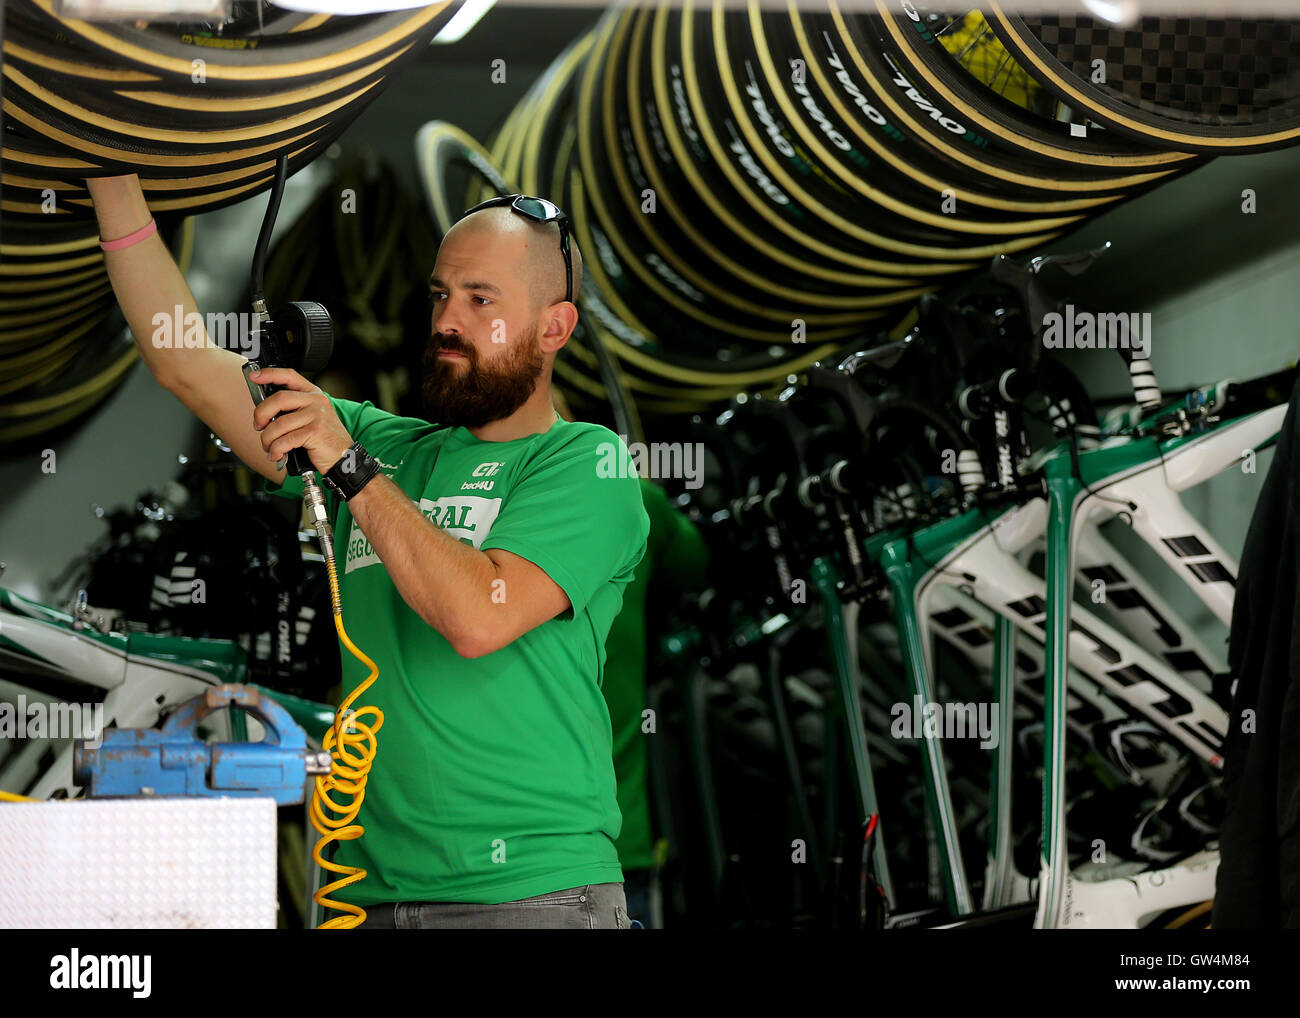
(351, 742)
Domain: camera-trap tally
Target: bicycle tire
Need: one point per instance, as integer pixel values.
(755, 262)
(332, 46)
(1147, 51)
(789, 218)
(1005, 123)
(935, 160)
(759, 314)
(887, 193)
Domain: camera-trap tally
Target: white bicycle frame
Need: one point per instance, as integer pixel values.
(1159, 517)
(135, 690)
(985, 566)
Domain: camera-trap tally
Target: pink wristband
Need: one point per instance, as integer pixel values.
(147, 230)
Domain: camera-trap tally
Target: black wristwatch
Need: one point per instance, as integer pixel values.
(352, 472)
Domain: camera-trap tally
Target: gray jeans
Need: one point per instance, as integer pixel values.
(589, 907)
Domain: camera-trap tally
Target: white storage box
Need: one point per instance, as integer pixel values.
(138, 864)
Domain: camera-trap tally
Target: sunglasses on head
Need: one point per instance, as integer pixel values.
(539, 210)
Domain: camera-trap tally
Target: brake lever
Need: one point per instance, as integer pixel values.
(1023, 279)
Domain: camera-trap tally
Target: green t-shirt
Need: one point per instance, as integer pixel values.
(494, 777)
(675, 554)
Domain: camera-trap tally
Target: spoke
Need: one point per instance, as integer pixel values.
(952, 23)
(1006, 57)
(986, 30)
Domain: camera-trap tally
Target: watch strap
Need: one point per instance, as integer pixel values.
(352, 472)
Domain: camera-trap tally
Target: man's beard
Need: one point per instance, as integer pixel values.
(478, 394)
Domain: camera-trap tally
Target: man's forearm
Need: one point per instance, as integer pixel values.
(446, 582)
(146, 280)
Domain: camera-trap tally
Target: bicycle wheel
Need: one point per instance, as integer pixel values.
(1215, 86)
(799, 143)
(879, 110)
(950, 57)
(285, 48)
(63, 346)
(656, 269)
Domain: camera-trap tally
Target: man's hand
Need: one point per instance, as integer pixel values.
(304, 419)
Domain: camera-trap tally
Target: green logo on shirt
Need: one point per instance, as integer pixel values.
(467, 518)
(449, 520)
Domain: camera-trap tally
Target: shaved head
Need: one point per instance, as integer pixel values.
(540, 260)
(499, 318)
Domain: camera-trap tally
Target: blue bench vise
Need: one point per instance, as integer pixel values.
(173, 760)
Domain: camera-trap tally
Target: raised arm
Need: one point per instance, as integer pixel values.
(146, 282)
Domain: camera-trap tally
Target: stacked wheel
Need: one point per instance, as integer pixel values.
(754, 189)
(201, 112)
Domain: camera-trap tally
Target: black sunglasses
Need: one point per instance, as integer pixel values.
(539, 210)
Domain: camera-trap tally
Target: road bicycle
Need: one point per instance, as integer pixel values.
(1137, 690)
